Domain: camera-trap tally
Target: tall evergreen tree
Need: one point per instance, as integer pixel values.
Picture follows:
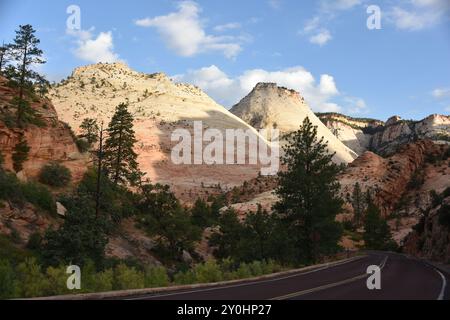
(309, 194)
(164, 217)
(259, 228)
(25, 52)
(89, 130)
(201, 214)
(377, 234)
(358, 204)
(20, 154)
(120, 158)
(226, 241)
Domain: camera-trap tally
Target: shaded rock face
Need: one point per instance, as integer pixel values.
(400, 184)
(388, 178)
(269, 106)
(430, 239)
(384, 139)
(23, 222)
(52, 141)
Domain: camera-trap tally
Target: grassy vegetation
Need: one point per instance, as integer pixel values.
(28, 278)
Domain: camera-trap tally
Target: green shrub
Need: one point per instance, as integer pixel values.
(39, 195)
(56, 281)
(256, 268)
(93, 281)
(55, 175)
(243, 272)
(11, 252)
(128, 278)
(35, 241)
(7, 283)
(182, 278)
(83, 145)
(31, 282)
(156, 277)
(20, 154)
(208, 272)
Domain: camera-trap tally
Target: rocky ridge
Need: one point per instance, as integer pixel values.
(384, 138)
(270, 106)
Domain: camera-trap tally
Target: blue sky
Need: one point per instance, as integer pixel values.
(323, 48)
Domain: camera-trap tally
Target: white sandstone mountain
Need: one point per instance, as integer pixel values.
(269, 106)
(159, 106)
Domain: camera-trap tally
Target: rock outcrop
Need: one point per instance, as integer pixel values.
(385, 138)
(49, 141)
(431, 237)
(269, 106)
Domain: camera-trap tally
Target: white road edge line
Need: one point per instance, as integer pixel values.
(444, 285)
(247, 283)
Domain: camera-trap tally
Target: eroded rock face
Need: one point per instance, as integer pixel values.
(366, 134)
(52, 141)
(387, 177)
(23, 222)
(430, 238)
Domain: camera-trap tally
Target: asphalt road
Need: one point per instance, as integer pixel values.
(402, 278)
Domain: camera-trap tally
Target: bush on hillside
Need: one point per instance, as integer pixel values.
(55, 175)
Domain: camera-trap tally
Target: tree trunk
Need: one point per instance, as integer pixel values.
(99, 173)
(119, 159)
(22, 83)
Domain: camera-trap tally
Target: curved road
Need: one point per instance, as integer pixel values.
(402, 278)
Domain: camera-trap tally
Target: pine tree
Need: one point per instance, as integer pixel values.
(201, 214)
(25, 52)
(164, 217)
(89, 130)
(377, 234)
(226, 241)
(358, 204)
(259, 230)
(308, 192)
(20, 154)
(120, 158)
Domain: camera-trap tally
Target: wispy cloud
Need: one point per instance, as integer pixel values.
(227, 26)
(321, 38)
(414, 15)
(440, 93)
(316, 28)
(184, 33)
(275, 4)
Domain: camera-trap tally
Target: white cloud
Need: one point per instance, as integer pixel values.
(275, 4)
(315, 28)
(227, 26)
(311, 25)
(355, 105)
(183, 32)
(321, 38)
(419, 14)
(338, 5)
(94, 49)
(441, 93)
(228, 91)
